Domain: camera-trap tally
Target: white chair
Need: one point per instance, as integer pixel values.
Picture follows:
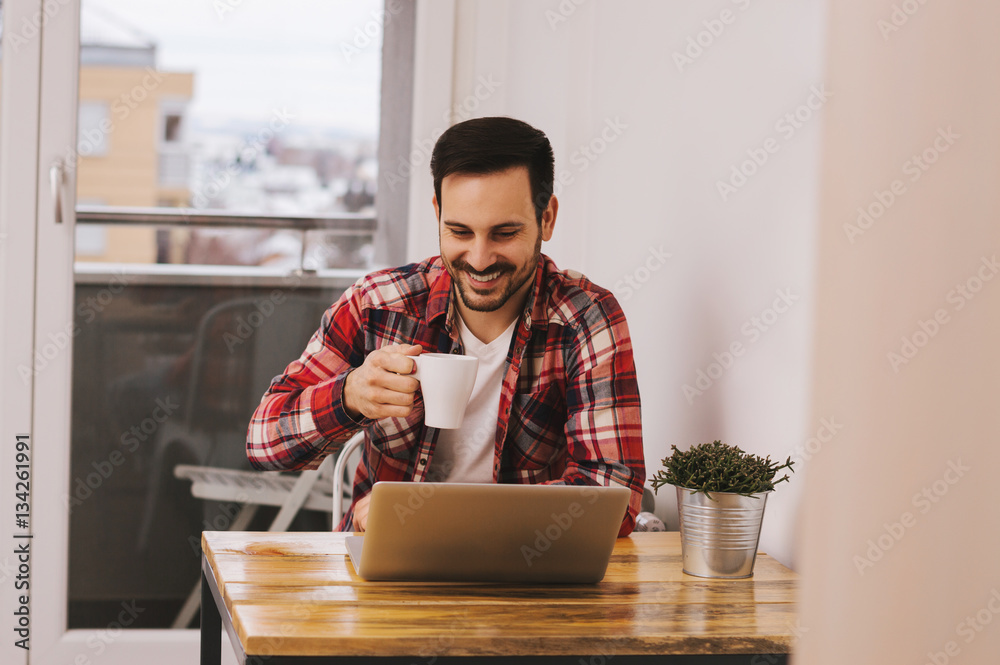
(341, 474)
(320, 489)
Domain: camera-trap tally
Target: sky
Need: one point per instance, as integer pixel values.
(252, 57)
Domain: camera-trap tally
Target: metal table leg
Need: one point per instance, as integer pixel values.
(211, 623)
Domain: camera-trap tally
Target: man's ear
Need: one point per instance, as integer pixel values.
(549, 217)
(437, 211)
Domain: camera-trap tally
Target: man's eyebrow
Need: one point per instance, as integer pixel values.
(512, 224)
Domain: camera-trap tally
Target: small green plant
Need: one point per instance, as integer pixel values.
(719, 467)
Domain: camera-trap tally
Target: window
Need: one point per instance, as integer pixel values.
(94, 129)
(172, 128)
(257, 120)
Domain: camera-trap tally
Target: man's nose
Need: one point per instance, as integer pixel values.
(481, 255)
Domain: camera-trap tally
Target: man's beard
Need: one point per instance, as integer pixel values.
(514, 283)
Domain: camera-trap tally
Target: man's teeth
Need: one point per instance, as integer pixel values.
(485, 278)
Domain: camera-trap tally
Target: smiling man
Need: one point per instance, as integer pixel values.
(555, 399)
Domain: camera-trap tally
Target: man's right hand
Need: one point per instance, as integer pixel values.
(381, 387)
(361, 512)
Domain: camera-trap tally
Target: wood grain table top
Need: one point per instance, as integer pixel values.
(297, 594)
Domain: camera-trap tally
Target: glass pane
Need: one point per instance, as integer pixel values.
(260, 108)
(226, 182)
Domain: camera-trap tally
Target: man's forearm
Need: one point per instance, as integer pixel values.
(291, 429)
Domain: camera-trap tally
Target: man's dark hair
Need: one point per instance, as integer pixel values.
(483, 146)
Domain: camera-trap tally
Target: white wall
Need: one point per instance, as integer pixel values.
(571, 68)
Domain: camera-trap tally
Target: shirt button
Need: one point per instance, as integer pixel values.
(423, 460)
(456, 350)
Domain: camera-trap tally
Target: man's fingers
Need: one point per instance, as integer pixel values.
(403, 349)
(397, 363)
(389, 411)
(382, 396)
(396, 352)
(382, 388)
(390, 382)
(361, 513)
(383, 403)
(384, 358)
(399, 383)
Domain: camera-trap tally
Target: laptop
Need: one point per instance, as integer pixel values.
(484, 532)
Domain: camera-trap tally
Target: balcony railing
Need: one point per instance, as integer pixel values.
(343, 224)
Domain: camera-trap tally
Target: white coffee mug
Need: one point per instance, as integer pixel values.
(446, 382)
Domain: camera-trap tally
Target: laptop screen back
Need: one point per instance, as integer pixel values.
(491, 533)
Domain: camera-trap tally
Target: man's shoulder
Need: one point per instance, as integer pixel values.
(570, 298)
(404, 287)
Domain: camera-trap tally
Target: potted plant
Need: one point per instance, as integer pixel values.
(721, 494)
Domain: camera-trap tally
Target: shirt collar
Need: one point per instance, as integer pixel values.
(439, 297)
(534, 307)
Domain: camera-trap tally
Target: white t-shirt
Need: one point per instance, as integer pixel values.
(465, 455)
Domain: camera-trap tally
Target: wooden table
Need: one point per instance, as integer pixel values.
(295, 598)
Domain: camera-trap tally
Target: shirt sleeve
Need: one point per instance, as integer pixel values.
(301, 417)
(604, 425)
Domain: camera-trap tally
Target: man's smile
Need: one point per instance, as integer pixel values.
(484, 280)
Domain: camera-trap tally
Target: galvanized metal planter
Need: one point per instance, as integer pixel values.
(719, 533)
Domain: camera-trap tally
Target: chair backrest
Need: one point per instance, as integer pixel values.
(239, 347)
(341, 470)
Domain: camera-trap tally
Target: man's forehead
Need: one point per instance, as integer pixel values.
(497, 197)
(517, 175)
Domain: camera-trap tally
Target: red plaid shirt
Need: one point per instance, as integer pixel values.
(569, 406)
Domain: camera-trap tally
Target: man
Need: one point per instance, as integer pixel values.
(556, 398)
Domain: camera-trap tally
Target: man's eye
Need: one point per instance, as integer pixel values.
(461, 234)
(506, 235)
